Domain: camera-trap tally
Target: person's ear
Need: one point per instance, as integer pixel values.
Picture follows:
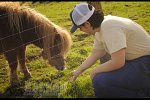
(87, 23)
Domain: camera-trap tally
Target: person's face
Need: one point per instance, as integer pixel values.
(87, 28)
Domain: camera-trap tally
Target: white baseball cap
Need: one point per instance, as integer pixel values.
(80, 14)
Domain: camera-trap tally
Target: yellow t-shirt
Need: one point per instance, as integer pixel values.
(117, 33)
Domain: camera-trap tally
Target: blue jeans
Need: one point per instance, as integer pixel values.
(131, 81)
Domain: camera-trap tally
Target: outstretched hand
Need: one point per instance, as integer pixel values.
(74, 75)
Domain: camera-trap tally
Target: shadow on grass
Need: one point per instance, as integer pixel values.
(16, 91)
(80, 37)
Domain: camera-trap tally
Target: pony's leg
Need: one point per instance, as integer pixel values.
(21, 60)
(12, 60)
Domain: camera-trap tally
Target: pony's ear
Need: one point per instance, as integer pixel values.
(55, 30)
(57, 39)
(57, 36)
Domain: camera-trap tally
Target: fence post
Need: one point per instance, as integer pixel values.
(96, 4)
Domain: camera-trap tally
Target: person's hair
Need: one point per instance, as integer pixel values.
(96, 19)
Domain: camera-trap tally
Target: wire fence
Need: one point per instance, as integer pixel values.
(37, 26)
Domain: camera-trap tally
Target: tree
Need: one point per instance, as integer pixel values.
(98, 6)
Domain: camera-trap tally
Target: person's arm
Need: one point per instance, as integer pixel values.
(90, 60)
(117, 61)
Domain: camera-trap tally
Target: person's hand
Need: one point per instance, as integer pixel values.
(93, 73)
(75, 74)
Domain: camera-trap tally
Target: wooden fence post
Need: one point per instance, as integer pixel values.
(95, 4)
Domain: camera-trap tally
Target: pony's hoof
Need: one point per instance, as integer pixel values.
(27, 76)
(15, 83)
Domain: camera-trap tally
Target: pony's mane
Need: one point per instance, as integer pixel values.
(42, 24)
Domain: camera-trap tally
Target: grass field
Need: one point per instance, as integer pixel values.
(47, 82)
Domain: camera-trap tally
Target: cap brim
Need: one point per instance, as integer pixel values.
(73, 28)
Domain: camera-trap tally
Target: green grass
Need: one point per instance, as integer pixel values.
(47, 82)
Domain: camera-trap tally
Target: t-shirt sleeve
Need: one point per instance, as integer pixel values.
(115, 39)
(97, 44)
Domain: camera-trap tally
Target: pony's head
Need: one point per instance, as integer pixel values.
(59, 45)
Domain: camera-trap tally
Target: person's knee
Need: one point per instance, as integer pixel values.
(100, 82)
(94, 81)
(100, 85)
